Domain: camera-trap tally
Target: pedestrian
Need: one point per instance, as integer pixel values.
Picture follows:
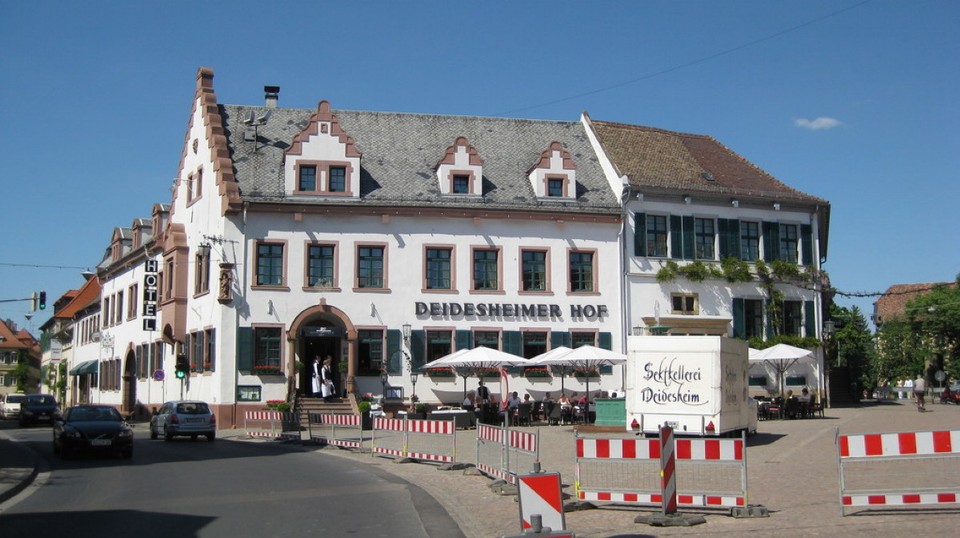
(483, 393)
(326, 378)
(919, 390)
(315, 378)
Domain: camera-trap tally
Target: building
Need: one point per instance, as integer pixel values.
(19, 360)
(385, 240)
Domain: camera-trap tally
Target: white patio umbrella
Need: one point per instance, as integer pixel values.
(781, 357)
(587, 358)
(553, 353)
(476, 360)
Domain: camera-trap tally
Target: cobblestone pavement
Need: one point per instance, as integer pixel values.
(792, 471)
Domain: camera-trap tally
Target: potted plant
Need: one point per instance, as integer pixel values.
(420, 410)
(366, 422)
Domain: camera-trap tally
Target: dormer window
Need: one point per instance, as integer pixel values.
(323, 160)
(554, 175)
(460, 171)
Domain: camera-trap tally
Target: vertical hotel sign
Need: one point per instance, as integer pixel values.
(150, 282)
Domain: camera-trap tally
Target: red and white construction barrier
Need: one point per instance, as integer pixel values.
(424, 440)
(503, 453)
(928, 453)
(271, 425)
(600, 464)
(345, 431)
(540, 495)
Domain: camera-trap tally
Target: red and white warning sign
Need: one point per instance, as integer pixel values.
(540, 494)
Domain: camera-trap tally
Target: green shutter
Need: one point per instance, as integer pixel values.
(676, 237)
(394, 356)
(245, 349)
(464, 340)
(418, 348)
(809, 322)
(558, 338)
(768, 329)
(739, 329)
(729, 232)
(689, 252)
(771, 241)
(639, 234)
(605, 341)
(806, 244)
(513, 343)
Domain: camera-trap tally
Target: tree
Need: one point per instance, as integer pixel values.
(851, 346)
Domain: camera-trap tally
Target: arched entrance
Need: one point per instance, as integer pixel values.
(318, 332)
(129, 398)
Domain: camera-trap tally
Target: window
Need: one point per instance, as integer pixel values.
(307, 177)
(320, 266)
(758, 381)
(210, 356)
(266, 346)
(370, 351)
(269, 264)
(439, 343)
(555, 187)
(753, 318)
(792, 318)
(438, 268)
(795, 380)
(534, 270)
(486, 270)
(684, 303)
(132, 305)
(788, 243)
(749, 241)
(201, 271)
(338, 179)
(196, 351)
(583, 339)
(490, 339)
(581, 272)
(461, 184)
(370, 267)
(704, 237)
(534, 343)
(657, 236)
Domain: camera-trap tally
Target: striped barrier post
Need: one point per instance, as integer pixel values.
(540, 495)
(323, 422)
(417, 438)
(924, 463)
(512, 449)
(273, 418)
(667, 477)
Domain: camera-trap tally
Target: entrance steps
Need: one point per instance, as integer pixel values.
(337, 406)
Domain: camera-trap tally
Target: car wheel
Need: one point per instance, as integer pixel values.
(153, 433)
(127, 453)
(167, 436)
(211, 437)
(56, 447)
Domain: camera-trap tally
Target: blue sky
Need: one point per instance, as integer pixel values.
(851, 101)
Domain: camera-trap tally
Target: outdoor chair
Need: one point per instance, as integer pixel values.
(553, 414)
(523, 414)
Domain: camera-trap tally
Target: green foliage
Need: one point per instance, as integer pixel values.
(668, 273)
(736, 270)
(364, 407)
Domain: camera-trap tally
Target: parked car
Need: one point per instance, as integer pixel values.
(37, 408)
(91, 429)
(10, 406)
(184, 418)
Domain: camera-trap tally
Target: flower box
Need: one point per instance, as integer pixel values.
(536, 371)
(586, 373)
(266, 370)
(439, 372)
(489, 372)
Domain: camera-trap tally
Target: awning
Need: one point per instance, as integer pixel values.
(87, 367)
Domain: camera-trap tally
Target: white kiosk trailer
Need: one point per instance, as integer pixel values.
(695, 384)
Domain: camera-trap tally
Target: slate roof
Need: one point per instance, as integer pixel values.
(671, 161)
(400, 152)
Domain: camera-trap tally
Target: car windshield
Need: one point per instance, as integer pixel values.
(42, 399)
(192, 408)
(94, 414)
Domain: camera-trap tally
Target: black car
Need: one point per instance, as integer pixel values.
(37, 408)
(92, 428)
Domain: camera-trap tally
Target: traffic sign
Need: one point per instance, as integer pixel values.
(540, 495)
(158, 375)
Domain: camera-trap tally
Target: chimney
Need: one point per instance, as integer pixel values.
(271, 94)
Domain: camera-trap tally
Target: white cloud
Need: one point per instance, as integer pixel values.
(820, 123)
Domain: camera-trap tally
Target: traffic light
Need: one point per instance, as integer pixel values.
(183, 366)
(43, 300)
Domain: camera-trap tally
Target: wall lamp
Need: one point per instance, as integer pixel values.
(638, 331)
(735, 202)
(687, 199)
(406, 334)
(776, 206)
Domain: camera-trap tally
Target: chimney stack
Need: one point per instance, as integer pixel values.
(271, 94)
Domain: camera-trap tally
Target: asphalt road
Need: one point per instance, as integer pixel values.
(222, 489)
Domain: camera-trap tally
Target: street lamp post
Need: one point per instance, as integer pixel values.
(413, 379)
(383, 383)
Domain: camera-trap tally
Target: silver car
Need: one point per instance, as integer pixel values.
(184, 418)
(10, 405)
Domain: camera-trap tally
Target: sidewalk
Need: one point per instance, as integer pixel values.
(792, 470)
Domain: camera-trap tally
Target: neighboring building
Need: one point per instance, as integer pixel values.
(18, 347)
(692, 200)
(387, 240)
(893, 303)
(74, 327)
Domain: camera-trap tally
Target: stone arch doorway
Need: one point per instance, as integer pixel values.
(129, 399)
(321, 331)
